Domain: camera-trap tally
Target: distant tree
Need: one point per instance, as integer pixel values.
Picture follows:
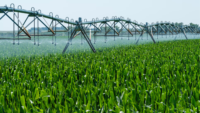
(194, 25)
(117, 28)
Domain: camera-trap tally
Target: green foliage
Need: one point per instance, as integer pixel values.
(194, 25)
(151, 78)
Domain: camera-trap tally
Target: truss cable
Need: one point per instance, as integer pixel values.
(68, 28)
(13, 22)
(127, 31)
(95, 30)
(85, 20)
(34, 31)
(18, 29)
(82, 38)
(171, 32)
(174, 32)
(90, 33)
(194, 32)
(55, 34)
(135, 32)
(114, 28)
(157, 31)
(13, 28)
(142, 36)
(18, 22)
(122, 32)
(166, 31)
(51, 14)
(162, 34)
(147, 32)
(54, 29)
(94, 35)
(105, 33)
(38, 30)
(71, 34)
(72, 20)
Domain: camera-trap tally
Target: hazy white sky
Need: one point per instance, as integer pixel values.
(185, 11)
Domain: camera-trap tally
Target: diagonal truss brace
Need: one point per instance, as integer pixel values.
(80, 31)
(24, 30)
(96, 26)
(173, 29)
(162, 28)
(35, 17)
(140, 36)
(3, 15)
(168, 29)
(183, 31)
(135, 28)
(27, 25)
(151, 34)
(112, 28)
(125, 27)
(79, 27)
(45, 25)
(148, 32)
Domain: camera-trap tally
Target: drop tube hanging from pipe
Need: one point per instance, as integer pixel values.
(90, 32)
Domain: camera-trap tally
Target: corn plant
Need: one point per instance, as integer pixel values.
(159, 77)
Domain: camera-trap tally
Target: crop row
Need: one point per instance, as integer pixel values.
(144, 78)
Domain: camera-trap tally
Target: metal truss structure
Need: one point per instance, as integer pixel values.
(102, 27)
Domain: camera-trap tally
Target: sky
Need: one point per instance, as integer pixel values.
(185, 11)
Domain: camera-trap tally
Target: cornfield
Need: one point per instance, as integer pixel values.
(149, 78)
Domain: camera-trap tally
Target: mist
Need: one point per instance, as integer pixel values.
(47, 46)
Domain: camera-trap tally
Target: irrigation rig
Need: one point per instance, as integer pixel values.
(116, 26)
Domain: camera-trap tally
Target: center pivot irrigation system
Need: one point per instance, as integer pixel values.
(102, 27)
